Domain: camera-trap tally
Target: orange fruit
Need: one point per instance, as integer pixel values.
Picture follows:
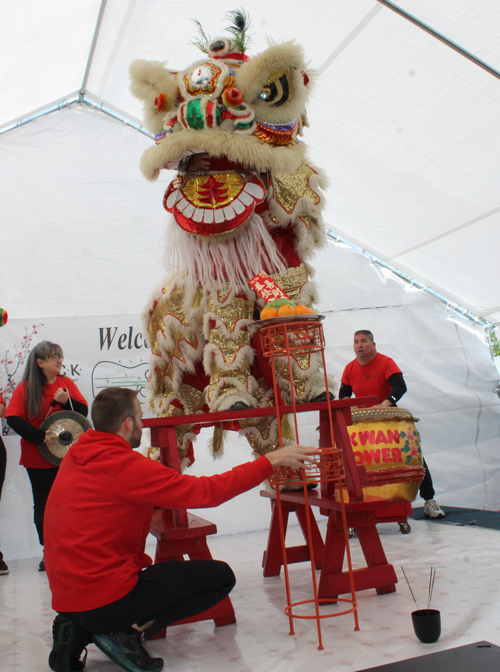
(301, 310)
(312, 311)
(267, 312)
(285, 311)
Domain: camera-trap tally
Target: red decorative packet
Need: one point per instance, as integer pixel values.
(267, 288)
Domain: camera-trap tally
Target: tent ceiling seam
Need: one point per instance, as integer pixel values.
(450, 232)
(116, 46)
(350, 38)
(451, 304)
(442, 38)
(478, 417)
(405, 273)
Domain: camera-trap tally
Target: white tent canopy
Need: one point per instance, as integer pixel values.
(405, 125)
(405, 128)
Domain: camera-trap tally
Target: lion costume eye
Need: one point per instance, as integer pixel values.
(277, 89)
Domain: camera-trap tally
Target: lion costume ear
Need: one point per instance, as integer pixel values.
(274, 84)
(151, 82)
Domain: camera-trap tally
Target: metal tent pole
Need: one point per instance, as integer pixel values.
(92, 49)
(439, 36)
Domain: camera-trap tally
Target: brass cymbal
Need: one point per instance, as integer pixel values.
(64, 427)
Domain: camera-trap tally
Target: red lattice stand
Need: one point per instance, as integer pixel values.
(282, 342)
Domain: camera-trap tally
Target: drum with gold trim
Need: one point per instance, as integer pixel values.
(386, 442)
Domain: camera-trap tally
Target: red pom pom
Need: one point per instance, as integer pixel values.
(163, 102)
(232, 97)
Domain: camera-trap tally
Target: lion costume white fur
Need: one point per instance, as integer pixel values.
(245, 200)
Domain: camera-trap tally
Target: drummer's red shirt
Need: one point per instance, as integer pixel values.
(31, 457)
(370, 379)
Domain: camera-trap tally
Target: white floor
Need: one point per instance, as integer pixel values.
(467, 591)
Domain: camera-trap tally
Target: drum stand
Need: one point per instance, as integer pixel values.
(280, 342)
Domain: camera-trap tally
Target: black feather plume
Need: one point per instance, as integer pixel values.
(201, 40)
(239, 28)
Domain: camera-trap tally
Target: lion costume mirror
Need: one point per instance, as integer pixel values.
(245, 199)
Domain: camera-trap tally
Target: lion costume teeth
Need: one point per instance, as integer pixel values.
(245, 200)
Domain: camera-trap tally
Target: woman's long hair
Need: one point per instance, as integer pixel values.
(35, 377)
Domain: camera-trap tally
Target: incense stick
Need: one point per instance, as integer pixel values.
(411, 591)
(432, 586)
(429, 592)
(432, 576)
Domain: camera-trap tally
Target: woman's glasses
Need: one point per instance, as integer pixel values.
(56, 357)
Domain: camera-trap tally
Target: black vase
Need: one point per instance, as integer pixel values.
(427, 625)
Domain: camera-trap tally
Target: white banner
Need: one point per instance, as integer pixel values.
(98, 352)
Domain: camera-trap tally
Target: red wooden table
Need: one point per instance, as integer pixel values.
(180, 533)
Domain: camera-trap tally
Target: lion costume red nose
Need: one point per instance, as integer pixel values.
(232, 97)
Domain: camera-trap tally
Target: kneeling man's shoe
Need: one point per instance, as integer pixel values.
(70, 641)
(128, 652)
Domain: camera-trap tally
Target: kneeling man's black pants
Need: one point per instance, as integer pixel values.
(166, 592)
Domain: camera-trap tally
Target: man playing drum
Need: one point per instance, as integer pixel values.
(372, 373)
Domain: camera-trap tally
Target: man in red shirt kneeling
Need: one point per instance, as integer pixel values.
(97, 518)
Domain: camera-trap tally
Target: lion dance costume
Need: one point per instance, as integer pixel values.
(251, 204)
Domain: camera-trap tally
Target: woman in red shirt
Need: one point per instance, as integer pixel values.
(42, 391)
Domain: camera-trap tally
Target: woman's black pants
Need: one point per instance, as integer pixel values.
(3, 467)
(41, 483)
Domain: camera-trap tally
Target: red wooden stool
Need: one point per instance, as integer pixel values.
(173, 543)
(272, 560)
(378, 573)
(362, 513)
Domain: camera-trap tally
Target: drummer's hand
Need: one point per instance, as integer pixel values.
(385, 404)
(199, 162)
(48, 439)
(61, 396)
(297, 457)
